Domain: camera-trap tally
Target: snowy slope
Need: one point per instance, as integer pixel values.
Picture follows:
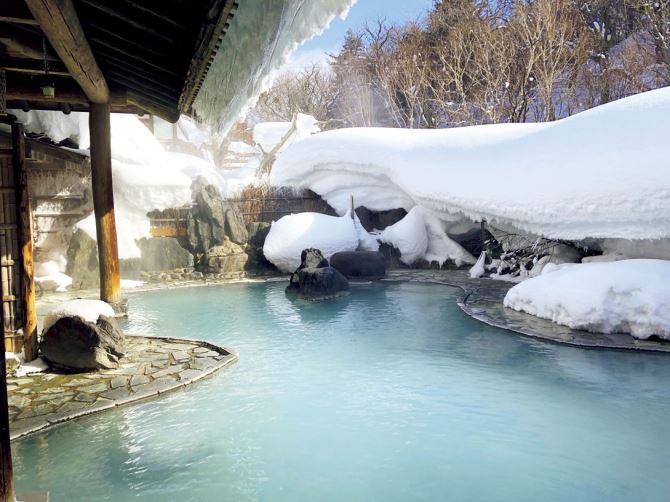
(602, 173)
(629, 296)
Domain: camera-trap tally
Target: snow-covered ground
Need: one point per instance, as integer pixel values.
(627, 296)
(603, 173)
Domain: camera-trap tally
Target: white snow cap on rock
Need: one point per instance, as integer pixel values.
(291, 234)
(628, 296)
(603, 173)
(89, 310)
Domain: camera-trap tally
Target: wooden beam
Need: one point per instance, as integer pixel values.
(58, 19)
(32, 67)
(216, 22)
(15, 11)
(20, 87)
(6, 474)
(103, 203)
(25, 237)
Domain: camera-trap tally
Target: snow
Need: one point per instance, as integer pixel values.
(36, 366)
(628, 296)
(603, 173)
(291, 234)
(409, 236)
(56, 281)
(477, 269)
(260, 39)
(267, 135)
(89, 310)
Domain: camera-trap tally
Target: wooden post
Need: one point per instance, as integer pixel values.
(6, 481)
(103, 203)
(25, 240)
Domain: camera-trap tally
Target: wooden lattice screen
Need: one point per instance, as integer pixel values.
(9, 254)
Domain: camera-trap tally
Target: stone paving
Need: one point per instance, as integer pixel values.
(151, 366)
(483, 300)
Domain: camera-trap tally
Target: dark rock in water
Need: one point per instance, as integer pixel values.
(82, 261)
(473, 239)
(257, 262)
(379, 220)
(212, 219)
(163, 253)
(312, 258)
(391, 256)
(315, 279)
(368, 265)
(74, 344)
(225, 258)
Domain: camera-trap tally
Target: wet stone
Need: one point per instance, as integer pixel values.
(139, 380)
(84, 398)
(119, 381)
(168, 371)
(203, 364)
(95, 389)
(208, 353)
(180, 356)
(188, 375)
(116, 394)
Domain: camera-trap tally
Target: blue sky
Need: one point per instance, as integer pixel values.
(364, 11)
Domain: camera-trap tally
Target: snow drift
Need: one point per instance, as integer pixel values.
(603, 173)
(291, 234)
(628, 296)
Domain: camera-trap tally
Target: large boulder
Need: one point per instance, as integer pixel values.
(163, 253)
(315, 279)
(212, 219)
(367, 265)
(82, 261)
(73, 343)
(225, 258)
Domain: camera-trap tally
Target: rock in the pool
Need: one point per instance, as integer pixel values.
(361, 265)
(315, 279)
(74, 344)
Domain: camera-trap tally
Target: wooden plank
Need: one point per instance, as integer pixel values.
(103, 203)
(22, 87)
(15, 11)
(212, 29)
(58, 19)
(169, 113)
(145, 28)
(25, 238)
(31, 66)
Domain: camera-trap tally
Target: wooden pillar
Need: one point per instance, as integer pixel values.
(6, 481)
(103, 203)
(25, 241)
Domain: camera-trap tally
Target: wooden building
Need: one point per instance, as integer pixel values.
(102, 57)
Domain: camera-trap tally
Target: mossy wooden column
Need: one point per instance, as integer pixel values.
(24, 229)
(6, 482)
(103, 203)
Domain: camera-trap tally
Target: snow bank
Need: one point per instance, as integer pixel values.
(629, 296)
(602, 173)
(89, 310)
(260, 39)
(268, 134)
(291, 234)
(36, 366)
(408, 236)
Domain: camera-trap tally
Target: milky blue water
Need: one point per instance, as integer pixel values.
(391, 394)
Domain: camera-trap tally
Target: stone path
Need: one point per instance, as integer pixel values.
(483, 300)
(151, 366)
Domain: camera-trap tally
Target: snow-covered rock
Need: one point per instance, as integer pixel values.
(291, 234)
(408, 236)
(88, 310)
(269, 134)
(603, 173)
(628, 296)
